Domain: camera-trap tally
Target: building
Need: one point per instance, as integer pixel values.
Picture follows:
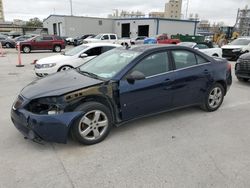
(243, 21)
(124, 27)
(74, 26)
(1, 11)
(204, 27)
(126, 14)
(156, 15)
(173, 9)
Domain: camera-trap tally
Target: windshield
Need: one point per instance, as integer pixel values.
(110, 63)
(75, 51)
(187, 44)
(98, 37)
(243, 42)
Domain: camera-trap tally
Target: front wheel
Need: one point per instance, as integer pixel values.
(57, 49)
(94, 126)
(214, 98)
(64, 68)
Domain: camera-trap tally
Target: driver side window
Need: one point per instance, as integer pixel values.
(105, 37)
(154, 64)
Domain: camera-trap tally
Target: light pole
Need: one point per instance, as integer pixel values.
(71, 8)
(187, 9)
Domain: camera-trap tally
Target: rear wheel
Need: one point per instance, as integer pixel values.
(94, 126)
(214, 98)
(26, 49)
(8, 45)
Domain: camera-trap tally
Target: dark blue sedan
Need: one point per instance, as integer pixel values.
(116, 87)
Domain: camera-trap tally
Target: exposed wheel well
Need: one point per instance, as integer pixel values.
(215, 55)
(223, 84)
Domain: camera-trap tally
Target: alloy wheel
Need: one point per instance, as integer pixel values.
(64, 68)
(215, 97)
(93, 125)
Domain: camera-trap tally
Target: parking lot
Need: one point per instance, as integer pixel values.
(183, 148)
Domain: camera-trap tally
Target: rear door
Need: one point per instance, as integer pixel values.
(47, 43)
(192, 77)
(152, 94)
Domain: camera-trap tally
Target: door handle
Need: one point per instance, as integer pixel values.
(206, 72)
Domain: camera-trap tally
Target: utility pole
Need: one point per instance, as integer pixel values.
(187, 9)
(71, 8)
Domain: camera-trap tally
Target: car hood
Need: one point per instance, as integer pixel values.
(53, 59)
(233, 46)
(58, 84)
(245, 56)
(92, 40)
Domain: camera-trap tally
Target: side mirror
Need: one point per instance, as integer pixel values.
(102, 38)
(196, 48)
(135, 75)
(83, 55)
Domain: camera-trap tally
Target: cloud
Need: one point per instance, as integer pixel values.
(214, 10)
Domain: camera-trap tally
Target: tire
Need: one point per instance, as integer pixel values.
(26, 49)
(87, 130)
(57, 48)
(242, 79)
(214, 98)
(65, 68)
(8, 45)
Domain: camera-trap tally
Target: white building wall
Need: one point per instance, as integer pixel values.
(175, 27)
(134, 26)
(57, 20)
(77, 26)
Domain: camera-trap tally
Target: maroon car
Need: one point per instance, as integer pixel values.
(46, 42)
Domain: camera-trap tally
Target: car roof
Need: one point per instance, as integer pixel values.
(152, 47)
(100, 44)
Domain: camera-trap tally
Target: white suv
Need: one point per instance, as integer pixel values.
(106, 37)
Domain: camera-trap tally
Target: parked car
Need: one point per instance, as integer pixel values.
(242, 68)
(22, 38)
(46, 42)
(116, 87)
(7, 42)
(105, 37)
(71, 58)
(236, 48)
(204, 47)
(164, 39)
(69, 40)
(79, 40)
(138, 40)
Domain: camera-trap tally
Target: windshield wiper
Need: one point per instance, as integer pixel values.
(88, 73)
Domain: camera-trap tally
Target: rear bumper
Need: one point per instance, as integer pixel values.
(49, 128)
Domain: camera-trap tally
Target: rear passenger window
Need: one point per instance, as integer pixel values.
(183, 59)
(107, 48)
(112, 37)
(154, 64)
(58, 38)
(94, 51)
(47, 38)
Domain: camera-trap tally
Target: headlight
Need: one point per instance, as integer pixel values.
(48, 65)
(43, 106)
(237, 50)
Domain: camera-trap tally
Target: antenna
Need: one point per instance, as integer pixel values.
(71, 8)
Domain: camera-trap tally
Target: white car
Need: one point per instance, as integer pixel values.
(104, 37)
(71, 58)
(236, 48)
(138, 41)
(206, 48)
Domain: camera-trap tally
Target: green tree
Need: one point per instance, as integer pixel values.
(34, 22)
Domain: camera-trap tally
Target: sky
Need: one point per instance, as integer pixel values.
(213, 10)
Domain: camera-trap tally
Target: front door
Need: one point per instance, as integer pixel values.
(150, 95)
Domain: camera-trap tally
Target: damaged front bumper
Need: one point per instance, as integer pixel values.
(49, 128)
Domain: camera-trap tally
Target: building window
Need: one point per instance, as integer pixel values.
(100, 22)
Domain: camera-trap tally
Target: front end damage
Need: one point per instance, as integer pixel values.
(50, 118)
